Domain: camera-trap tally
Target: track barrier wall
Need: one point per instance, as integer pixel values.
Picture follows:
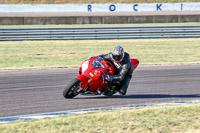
(159, 13)
(98, 20)
(100, 33)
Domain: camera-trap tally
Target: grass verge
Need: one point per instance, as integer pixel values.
(59, 54)
(162, 119)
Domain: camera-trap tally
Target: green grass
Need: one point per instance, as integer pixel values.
(57, 54)
(157, 119)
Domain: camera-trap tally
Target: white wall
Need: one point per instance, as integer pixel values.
(101, 7)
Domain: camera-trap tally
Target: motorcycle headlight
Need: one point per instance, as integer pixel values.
(85, 66)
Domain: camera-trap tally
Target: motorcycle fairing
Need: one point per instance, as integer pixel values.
(134, 63)
(83, 79)
(92, 76)
(97, 83)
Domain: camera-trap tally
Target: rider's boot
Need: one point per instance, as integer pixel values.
(122, 92)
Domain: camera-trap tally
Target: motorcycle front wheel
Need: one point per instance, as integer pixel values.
(70, 90)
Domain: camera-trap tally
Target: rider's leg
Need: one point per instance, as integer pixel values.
(124, 85)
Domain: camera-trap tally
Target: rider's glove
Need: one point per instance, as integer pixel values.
(90, 57)
(109, 78)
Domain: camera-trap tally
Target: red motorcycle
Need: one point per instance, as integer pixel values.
(91, 78)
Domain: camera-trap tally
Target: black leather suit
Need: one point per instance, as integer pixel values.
(123, 71)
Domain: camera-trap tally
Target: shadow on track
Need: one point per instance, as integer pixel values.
(146, 96)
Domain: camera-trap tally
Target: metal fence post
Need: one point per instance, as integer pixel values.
(52, 1)
(99, 1)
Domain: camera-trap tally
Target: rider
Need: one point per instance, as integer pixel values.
(123, 67)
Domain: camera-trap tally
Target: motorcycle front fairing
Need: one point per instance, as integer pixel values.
(90, 73)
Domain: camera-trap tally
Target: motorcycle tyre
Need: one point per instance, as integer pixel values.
(69, 87)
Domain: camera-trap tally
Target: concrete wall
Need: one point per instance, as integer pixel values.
(135, 7)
(98, 19)
(40, 14)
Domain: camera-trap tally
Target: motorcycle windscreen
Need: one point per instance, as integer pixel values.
(98, 63)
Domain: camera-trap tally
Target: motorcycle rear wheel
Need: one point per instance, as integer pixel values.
(70, 90)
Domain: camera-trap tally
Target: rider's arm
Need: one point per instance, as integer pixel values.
(106, 56)
(125, 69)
(90, 57)
(120, 77)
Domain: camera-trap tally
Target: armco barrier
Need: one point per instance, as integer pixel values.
(100, 33)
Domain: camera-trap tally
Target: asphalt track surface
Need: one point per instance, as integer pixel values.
(40, 91)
